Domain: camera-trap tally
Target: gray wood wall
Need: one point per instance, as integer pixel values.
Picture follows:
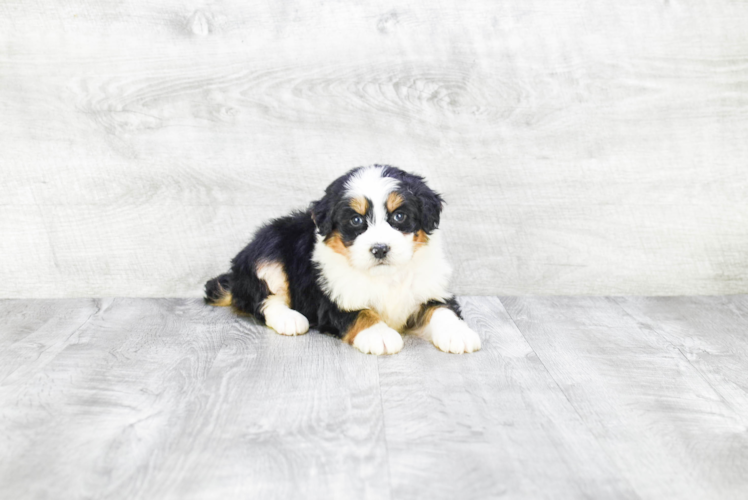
(583, 147)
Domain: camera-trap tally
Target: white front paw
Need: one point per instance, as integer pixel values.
(286, 321)
(450, 334)
(378, 339)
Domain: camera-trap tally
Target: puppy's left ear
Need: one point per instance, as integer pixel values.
(322, 215)
(431, 209)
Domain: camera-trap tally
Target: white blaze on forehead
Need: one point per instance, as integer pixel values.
(370, 183)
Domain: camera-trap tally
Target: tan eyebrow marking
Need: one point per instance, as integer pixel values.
(394, 200)
(360, 205)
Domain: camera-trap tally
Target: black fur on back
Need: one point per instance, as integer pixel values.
(290, 241)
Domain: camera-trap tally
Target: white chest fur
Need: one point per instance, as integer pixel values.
(395, 295)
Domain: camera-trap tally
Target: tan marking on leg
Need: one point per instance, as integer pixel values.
(273, 274)
(365, 319)
(271, 300)
(360, 205)
(420, 239)
(394, 200)
(335, 241)
(423, 317)
(277, 305)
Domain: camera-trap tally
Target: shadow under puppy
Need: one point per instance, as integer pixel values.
(363, 263)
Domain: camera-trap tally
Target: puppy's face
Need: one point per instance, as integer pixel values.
(377, 217)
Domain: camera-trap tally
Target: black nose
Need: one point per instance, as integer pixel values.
(380, 251)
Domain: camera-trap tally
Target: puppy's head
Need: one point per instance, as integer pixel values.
(377, 217)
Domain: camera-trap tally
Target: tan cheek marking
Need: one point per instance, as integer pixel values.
(365, 319)
(273, 274)
(420, 238)
(360, 205)
(394, 200)
(335, 241)
(423, 317)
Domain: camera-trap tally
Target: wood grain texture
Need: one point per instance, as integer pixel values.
(711, 332)
(487, 425)
(568, 398)
(582, 149)
(174, 399)
(34, 333)
(664, 421)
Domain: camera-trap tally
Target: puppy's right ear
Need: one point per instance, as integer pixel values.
(322, 215)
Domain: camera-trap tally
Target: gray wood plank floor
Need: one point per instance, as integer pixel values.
(570, 397)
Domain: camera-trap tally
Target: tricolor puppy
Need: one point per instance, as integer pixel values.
(363, 263)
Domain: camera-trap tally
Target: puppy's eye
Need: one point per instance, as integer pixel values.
(357, 220)
(398, 216)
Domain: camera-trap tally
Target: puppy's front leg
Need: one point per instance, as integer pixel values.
(441, 323)
(370, 335)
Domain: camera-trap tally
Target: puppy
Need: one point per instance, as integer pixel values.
(364, 263)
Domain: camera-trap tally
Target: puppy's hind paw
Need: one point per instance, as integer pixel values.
(286, 321)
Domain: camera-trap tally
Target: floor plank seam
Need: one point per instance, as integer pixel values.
(384, 432)
(683, 355)
(602, 448)
(98, 304)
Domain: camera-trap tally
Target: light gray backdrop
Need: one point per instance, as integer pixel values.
(583, 147)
